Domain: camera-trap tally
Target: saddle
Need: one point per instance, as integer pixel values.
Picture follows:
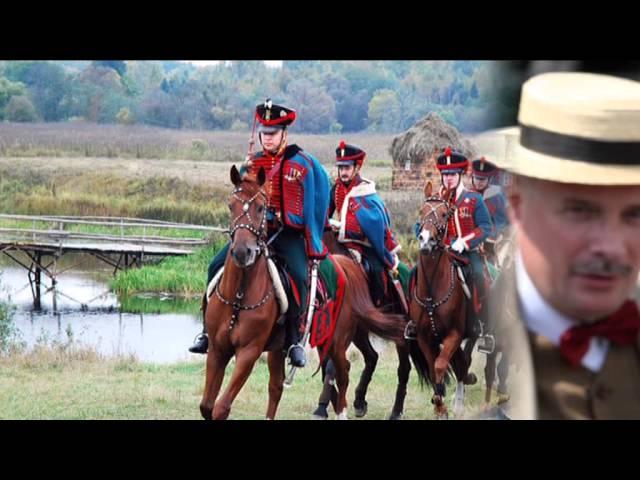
(390, 295)
(327, 303)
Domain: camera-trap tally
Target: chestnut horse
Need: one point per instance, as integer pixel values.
(241, 318)
(438, 307)
(362, 343)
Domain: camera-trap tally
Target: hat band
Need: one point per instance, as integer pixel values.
(579, 148)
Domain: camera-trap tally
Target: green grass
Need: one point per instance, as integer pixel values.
(73, 383)
(84, 139)
(177, 275)
(30, 192)
(155, 304)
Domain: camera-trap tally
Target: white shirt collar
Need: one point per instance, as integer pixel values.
(542, 319)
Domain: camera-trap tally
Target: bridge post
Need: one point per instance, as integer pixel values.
(37, 305)
(38, 280)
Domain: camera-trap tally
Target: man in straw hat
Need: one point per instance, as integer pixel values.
(567, 303)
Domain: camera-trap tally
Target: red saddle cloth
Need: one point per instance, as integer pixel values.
(329, 299)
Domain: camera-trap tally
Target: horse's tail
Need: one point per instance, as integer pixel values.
(420, 362)
(387, 326)
(422, 367)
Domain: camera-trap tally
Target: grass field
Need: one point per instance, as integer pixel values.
(70, 382)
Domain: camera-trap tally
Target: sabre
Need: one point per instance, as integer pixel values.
(252, 141)
(307, 328)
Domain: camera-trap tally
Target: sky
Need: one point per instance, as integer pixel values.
(204, 63)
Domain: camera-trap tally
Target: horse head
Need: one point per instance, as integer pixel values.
(248, 207)
(434, 217)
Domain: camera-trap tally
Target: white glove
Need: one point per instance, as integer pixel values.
(394, 269)
(458, 246)
(335, 223)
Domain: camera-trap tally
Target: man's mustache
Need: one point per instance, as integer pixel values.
(601, 266)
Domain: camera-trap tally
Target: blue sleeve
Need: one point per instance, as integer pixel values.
(482, 220)
(316, 205)
(501, 219)
(374, 221)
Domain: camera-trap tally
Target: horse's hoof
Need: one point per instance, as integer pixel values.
(503, 398)
(206, 412)
(470, 379)
(320, 413)
(360, 410)
(395, 416)
(342, 415)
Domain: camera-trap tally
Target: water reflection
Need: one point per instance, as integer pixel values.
(82, 305)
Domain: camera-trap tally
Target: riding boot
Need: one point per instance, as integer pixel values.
(295, 349)
(200, 344)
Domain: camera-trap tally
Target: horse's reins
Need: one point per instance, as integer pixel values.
(262, 247)
(428, 304)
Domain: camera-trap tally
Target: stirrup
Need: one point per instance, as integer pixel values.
(410, 331)
(488, 344)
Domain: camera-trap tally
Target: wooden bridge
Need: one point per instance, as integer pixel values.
(120, 242)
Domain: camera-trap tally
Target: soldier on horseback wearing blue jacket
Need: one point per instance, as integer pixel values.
(297, 188)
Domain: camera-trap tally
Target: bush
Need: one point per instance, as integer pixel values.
(125, 117)
(20, 109)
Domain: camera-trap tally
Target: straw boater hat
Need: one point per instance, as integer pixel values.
(577, 128)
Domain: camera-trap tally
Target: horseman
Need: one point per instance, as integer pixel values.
(364, 226)
(297, 188)
(467, 227)
(483, 173)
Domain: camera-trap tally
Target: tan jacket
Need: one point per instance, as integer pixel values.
(558, 390)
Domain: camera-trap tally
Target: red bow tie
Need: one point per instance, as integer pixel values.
(621, 328)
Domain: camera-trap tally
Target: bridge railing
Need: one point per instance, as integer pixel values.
(58, 229)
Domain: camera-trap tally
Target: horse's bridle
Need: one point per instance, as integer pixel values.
(441, 227)
(428, 303)
(260, 234)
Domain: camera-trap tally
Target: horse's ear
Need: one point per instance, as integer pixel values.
(235, 176)
(261, 176)
(428, 189)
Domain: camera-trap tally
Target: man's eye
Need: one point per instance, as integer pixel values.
(579, 212)
(633, 215)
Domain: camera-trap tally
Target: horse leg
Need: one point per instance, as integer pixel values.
(404, 368)
(329, 392)
(460, 362)
(450, 344)
(489, 375)
(439, 389)
(245, 360)
(216, 364)
(275, 360)
(503, 372)
(342, 366)
(362, 342)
